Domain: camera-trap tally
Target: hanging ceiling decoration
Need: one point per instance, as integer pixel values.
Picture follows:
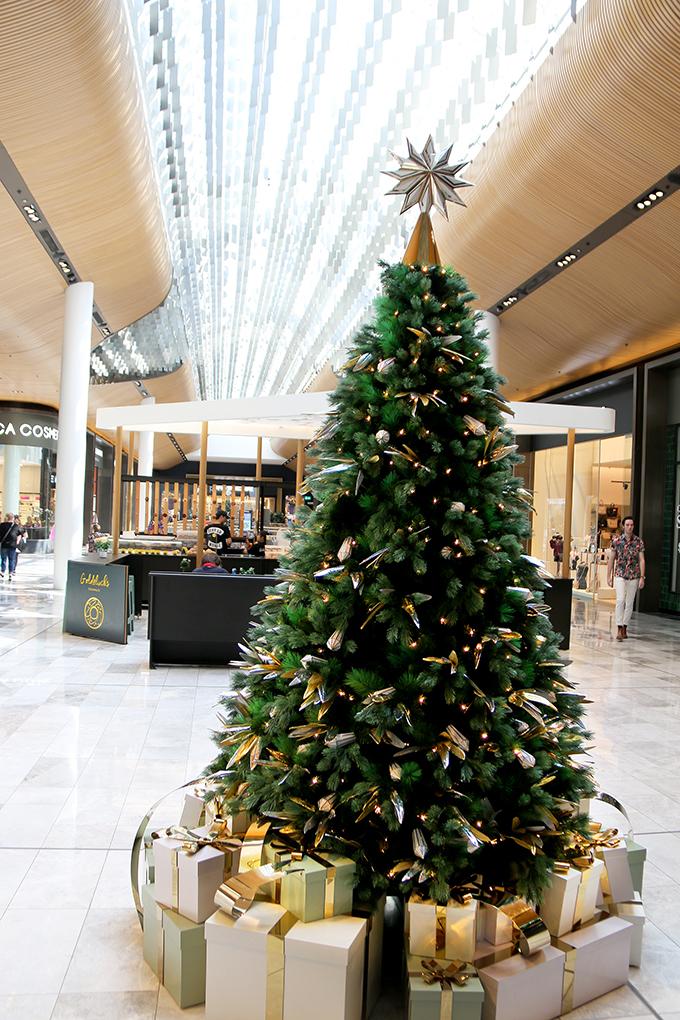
(270, 124)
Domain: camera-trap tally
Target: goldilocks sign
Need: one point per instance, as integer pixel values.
(96, 601)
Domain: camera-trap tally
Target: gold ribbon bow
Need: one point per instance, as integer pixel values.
(457, 973)
(217, 837)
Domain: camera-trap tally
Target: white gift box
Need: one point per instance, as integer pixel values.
(559, 902)
(187, 882)
(572, 898)
(616, 879)
(324, 969)
(524, 987)
(493, 925)
(601, 960)
(200, 876)
(192, 810)
(460, 928)
(635, 913)
(375, 925)
(238, 963)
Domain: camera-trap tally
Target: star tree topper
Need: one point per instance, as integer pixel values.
(426, 179)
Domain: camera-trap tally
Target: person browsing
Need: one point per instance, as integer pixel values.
(626, 573)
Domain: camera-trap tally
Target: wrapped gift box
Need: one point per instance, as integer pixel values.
(183, 959)
(524, 987)
(311, 890)
(324, 969)
(616, 880)
(572, 898)
(193, 810)
(600, 963)
(635, 913)
(153, 931)
(459, 922)
(493, 926)
(637, 855)
(188, 882)
(373, 953)
(244, 966)
(424, 1001)
(174, 948)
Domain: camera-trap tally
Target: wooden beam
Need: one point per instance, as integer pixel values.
(117, 472)
(568, 500)
(202, 485)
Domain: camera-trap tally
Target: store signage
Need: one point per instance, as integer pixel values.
(19, 428)
(96, 601)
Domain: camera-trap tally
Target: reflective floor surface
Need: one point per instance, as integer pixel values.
(90, 738)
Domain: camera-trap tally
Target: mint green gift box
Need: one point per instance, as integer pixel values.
(183, 959)
(174, 948)
(153, 919)
(311, 890)
(637, 855)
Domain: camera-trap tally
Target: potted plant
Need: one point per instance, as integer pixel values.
(103, 544)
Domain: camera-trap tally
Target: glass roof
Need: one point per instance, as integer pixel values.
(271, 122)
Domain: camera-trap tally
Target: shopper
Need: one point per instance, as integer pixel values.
(10, 533)
(217, 535)
(256, 543)
(626, 573)
(210, 564)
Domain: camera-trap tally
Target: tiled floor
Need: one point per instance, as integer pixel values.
(90, 737)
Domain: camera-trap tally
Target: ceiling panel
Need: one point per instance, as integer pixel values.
(598, 124)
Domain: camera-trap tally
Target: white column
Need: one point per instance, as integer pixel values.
(73, 396)
(491, 323)
(11, 480)
(145, 466)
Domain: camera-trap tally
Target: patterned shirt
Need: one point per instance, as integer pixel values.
(628, 556)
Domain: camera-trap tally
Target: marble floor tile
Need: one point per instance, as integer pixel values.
(106, 1006)
(79, 872)
(44, 934)
(108, 956)
(20, 1007)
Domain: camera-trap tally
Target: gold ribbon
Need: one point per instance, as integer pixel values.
(569, 973)
(238, 892)
(531, 934)
(253, 845)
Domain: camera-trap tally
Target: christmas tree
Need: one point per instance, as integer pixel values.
(401, 697)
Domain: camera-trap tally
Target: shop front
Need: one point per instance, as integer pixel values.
(28, 460)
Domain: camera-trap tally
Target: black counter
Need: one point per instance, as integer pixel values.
(199, 619)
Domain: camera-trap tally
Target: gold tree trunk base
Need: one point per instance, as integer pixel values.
(422, 248)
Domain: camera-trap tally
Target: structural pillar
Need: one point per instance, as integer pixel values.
(117, 472)
(11, 481)
(73, 396)
(568, 500)
(145, 465)
(202, 485)
(299, 471)
(491, 323)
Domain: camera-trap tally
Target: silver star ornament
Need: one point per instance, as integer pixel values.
(426, 179)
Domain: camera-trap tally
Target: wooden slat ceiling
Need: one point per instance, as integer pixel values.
(72, 121)
(599, 123)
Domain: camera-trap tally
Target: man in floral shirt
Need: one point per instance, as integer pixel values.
(626, 572)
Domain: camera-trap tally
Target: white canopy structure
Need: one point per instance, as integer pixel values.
(300, 416)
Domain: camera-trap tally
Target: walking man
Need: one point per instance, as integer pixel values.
(626, 573)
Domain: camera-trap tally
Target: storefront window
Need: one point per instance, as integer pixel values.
(601, 499)
(28, 461)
